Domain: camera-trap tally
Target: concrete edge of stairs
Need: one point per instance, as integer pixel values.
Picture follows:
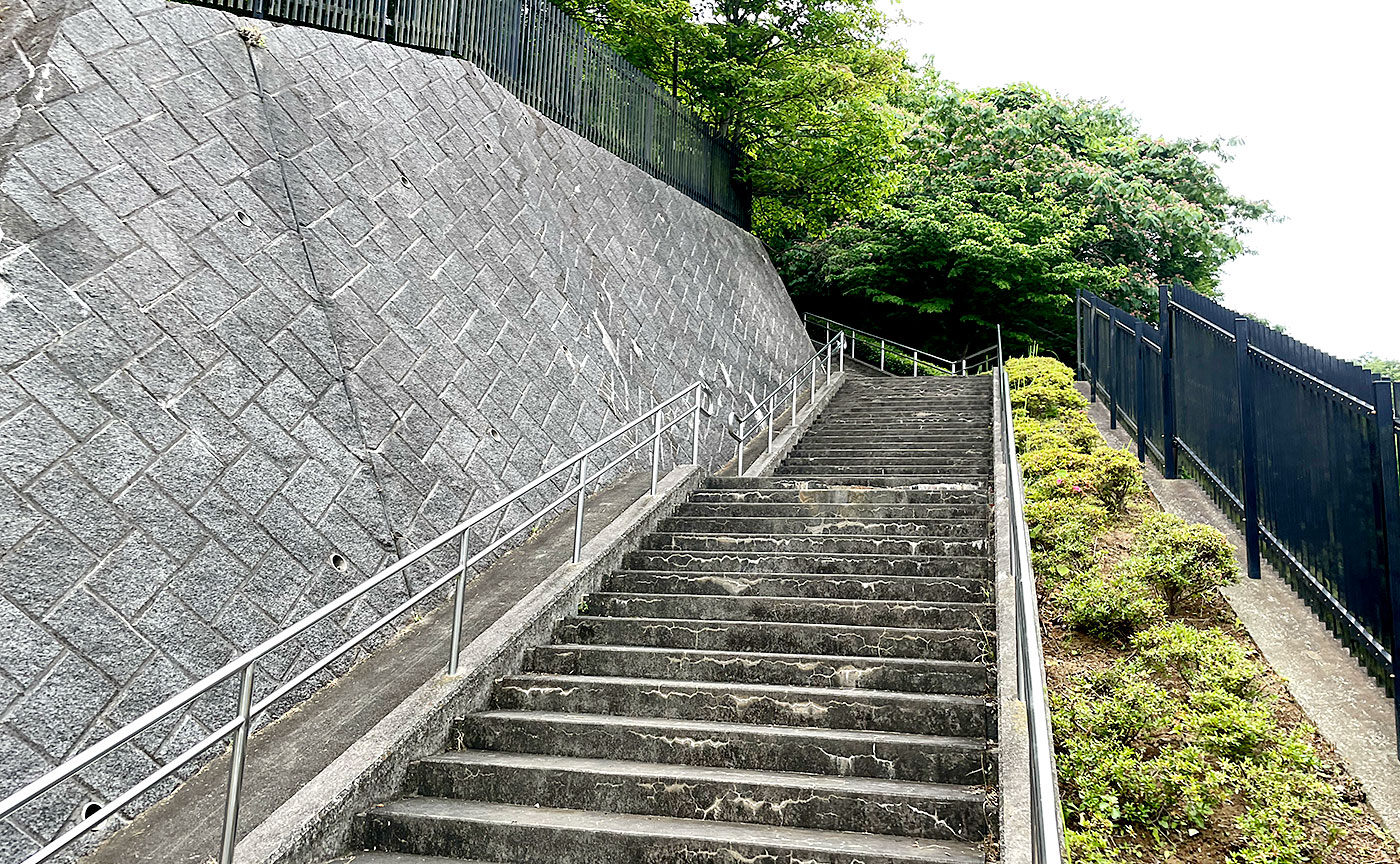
(316, 823)
(1013, 730)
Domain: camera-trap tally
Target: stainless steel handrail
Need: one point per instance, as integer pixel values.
(689, 405)
(768, 406)
(1047, 829)
(884, 344)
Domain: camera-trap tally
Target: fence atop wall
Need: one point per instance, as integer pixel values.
(1297, 446)
(549, 62)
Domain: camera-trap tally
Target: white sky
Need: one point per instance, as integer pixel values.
(1310, 88)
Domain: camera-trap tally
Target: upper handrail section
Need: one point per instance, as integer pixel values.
(685, 408)
(884, 343)
(974, 363)
(831, 352)
(1047, 830)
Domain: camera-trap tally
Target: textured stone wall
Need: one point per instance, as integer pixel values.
(264, 305)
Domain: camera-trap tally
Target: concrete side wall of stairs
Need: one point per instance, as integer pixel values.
(792, 667)
(270, 310)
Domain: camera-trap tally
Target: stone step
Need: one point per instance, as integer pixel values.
(892, 425)
(919, 614)
(931, 810)
(728, 702)
(910, 438)
(822, 543)
(886, 755)
(776, 637)
(804, 562)
(882, 447)
(824, 504)
(846, 487)
(957, 477)
(878, 462)
(799, 585)
(904, 674)
(542, 835)
(817, 526)
(399, 858)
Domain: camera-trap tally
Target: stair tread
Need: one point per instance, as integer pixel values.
(733, 687)
(773, 655)
(739, 622)
(670, 827)
(811, 601)
(704, 727)
(691, 773)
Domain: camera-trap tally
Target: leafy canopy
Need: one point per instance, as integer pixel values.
(1011, 199)
(802, 87)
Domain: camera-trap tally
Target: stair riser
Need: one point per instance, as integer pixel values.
(884, 712)
(839, 641)
(758, 748)
(929, 528)
(866, 673)
(837, 587)
(870, 565)
(539, 844)
(910, 475)
(787, 505)
(855, 613)
(751, 803)
(932, 465)
(816, 485)
(833, 544)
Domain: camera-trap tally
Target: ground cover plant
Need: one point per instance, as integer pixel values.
(1174, 740)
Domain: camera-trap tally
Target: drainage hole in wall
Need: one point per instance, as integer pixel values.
(243, 218)
(91, 809)
(495, 436)
(403, 181)
(338, 562)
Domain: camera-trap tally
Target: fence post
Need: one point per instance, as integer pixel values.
(1141, 391)
(236, 762)
(1390, 520)
(1093, 352)
(1079, 334)
(1164, 324)
(1249, 455)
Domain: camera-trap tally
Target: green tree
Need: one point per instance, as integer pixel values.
(1011, 199)
(802, 87)
(1385, 368)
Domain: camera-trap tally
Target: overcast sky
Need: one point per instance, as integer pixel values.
(1311, 89)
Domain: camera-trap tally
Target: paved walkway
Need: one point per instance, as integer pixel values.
(1352, 712)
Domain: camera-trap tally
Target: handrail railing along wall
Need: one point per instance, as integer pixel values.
(1297, 446)
(766, 410)
(683, 409)
(548, 61)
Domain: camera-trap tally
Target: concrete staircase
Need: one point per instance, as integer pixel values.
(795, 667)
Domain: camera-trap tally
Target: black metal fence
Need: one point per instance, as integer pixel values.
(1298, 446)
(548, 61)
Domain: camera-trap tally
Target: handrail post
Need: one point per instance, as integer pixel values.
(1165, 325)
(739, 471)
(695, 426)
(1390, 521)
(841, 355)
(459, 591)
(656, 452)
(1141, 391)
(812, 388)
(236, 762)
(772, 409)
(882, 355)
(792, 418)
(916, 364)
(578, 508)
(1248, 448)
(1093, 352)
(828, 365)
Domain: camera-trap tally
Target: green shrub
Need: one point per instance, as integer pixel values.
(1029, 371)
(1115, 476)
(1199, 658)
(1181, 559)
(1062, 532)
(1049, 461)
(1109, 607)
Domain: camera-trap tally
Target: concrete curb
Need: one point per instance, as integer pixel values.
(1013, 750)
(316, 823)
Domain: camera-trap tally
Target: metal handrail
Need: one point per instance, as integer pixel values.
(691, 403)
(1047, 829)
(828, 324)
(768, 407)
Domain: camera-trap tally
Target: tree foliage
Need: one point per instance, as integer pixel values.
(1011, 199)
(802, 87)
(1385, 368)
